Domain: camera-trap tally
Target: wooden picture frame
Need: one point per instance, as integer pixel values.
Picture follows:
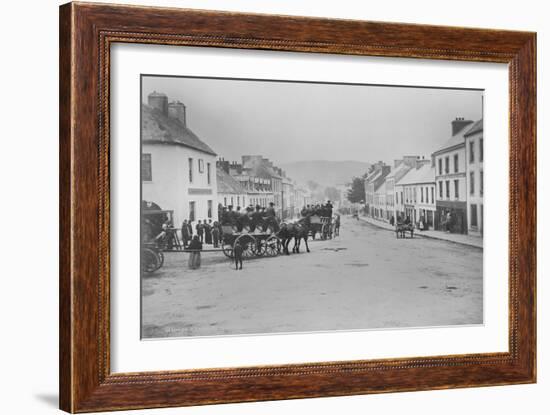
(86, 33)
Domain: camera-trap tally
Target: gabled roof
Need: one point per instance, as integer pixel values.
(157, 127)
(455, 140)
(476, 128)
(399, 172)
(424, 174)
(227, 184)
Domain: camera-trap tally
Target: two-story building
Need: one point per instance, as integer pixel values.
(394, 192)
(229, 190)
(450, 177)
(474, 176)
(373, 181)
(178, 169)
(419, 192)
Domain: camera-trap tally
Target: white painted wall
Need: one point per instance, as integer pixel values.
(170, 186)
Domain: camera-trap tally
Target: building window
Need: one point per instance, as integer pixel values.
(401, 197)
(146, 168)
(472, 152)
(481, 149)
(191, 211)
(441, 190)
(472, 183)
(432, 195)
(481, 182)
(455, 159)
(422, 194)
(225, 201)
(447, 189)
(456, 189)
(201, 166)
(440, 164)
(209, 209)
(473, 215)
(427, 197)
(190, 170)
(446, 165)
(415, 192)
(208, 173)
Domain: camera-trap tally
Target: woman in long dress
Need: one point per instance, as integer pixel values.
(195, 255)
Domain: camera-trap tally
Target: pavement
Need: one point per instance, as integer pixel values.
(363, 279)
(470, 240)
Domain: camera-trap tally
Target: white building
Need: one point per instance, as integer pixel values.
(394, 192)
(230, 191)
(419, 194)
(178, 170)
(474, 176)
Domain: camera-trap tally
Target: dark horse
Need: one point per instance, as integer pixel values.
(298, 230)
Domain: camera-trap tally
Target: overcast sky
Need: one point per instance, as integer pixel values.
(287, 121)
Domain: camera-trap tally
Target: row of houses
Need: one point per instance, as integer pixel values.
(444, 192)
(257, 181)
(182, 174)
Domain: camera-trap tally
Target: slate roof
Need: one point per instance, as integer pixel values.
(399, 172)
(424, 174)
(157, 127)
(476, 128)
(227, 184)
(455, 140)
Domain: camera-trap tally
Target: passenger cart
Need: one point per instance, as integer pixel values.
(254, 244)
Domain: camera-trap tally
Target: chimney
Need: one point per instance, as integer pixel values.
(421, 162)
(396, 163)
(176, 109)
(159, 101)
(458, 124)
(410, 160)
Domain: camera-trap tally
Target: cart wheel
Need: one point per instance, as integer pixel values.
(227, 250)
(150, 261)
(272, 246)
(249, 245)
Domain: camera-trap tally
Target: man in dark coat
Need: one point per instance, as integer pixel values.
(215, 234)
(208, 232)
(200, 231)
(238, 255)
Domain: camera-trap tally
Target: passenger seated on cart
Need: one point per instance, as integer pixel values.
(271, 218)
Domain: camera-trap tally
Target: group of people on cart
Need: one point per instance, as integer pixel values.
(253, 219)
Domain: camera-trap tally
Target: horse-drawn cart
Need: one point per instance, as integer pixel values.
(320, 225)
(402, 228)
(254, 244)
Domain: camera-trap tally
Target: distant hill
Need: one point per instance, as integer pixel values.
(326, 173)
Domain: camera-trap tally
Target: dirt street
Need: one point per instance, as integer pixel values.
(363, 279)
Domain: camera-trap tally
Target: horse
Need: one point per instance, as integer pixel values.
(298, 230)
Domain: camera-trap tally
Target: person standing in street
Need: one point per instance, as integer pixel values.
(195, 255)
(216, 234)
(238, 255)
(200, 231)
(208, 232)
(185, 237)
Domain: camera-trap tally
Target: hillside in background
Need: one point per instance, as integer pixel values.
(326, 173)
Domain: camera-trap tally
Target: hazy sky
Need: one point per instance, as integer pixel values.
(287, 121)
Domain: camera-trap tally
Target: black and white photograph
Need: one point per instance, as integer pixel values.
(280, 206)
